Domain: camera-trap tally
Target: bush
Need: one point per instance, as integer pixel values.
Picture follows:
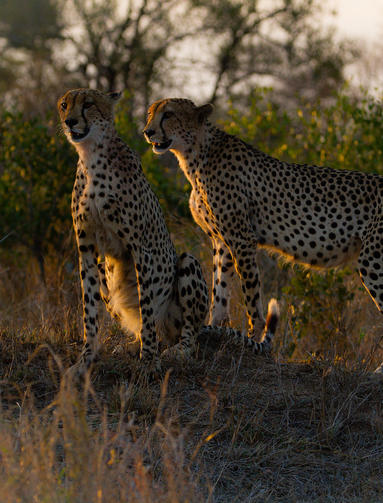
(36, 176)
(37, 170)
(318, 304)
(345, 135)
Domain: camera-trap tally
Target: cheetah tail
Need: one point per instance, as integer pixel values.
(264, 346)
(271, 322)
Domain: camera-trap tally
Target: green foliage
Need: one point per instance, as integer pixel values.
(265, 124)
(37, 169)
(36, 175)
(317, 305)
(346, 135)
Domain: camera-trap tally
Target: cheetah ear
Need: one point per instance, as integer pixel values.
(115, 96)
(204, 111)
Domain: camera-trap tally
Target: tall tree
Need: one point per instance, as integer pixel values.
(29, 30)
(278, 43)
(125, 45)
(155, 47)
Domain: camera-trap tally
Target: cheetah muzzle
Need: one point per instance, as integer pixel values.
(161, 148)
(77, 137)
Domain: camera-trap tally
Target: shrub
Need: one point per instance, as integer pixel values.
(345, 135)
(318, 304)
(36, 175)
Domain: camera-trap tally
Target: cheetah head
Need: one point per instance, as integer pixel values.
(174, 124)
(85, 113)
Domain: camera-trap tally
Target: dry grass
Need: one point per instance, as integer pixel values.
(227, 427)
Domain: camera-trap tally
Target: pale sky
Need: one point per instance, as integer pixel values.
(359, 18)
(355, 19)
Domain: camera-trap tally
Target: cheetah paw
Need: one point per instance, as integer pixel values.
(177, 352)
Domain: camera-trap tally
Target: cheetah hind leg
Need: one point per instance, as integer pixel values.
(265, 344)
(193, 305)
(369, 263)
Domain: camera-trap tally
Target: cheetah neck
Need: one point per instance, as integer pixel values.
(192, 157)
(96, 147)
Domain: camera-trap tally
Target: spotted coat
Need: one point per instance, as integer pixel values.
(245, 199)
(126, 255)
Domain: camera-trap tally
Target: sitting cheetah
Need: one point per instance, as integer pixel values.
(126, 255)
(244, 199)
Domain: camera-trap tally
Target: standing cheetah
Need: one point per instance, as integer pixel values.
(244, 199)
(125, 252)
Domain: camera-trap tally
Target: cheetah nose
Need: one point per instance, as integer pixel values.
(149, 132)
(71, 122)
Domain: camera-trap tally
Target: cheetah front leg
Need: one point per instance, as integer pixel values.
(143, 261)
(90, 285)
(193, 302)
(223, 271)
(244, 253)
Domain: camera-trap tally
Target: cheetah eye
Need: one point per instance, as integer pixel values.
(64, 105)
(167, 115)
(88, 104)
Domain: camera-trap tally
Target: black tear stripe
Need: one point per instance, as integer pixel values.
(75, 98)
(161, 127)
(83, 116)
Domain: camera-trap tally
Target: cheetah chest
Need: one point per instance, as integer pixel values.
(90, 217)
(203, 213)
